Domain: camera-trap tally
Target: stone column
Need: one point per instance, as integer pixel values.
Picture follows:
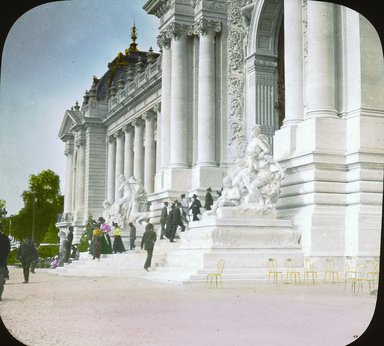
(111, 169)
(150, 151)
(128, 151)
(80, 178)
(206, 136)
(164, 121)
(293, 59)
(69, 147)
(119, 135)
(179, 105)
(157, 110)
(138, 165)
(321, 70)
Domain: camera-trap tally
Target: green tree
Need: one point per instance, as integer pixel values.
(3, 211)
(42, 203)
(51, 236)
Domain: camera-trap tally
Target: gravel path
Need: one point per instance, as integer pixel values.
(58, 310)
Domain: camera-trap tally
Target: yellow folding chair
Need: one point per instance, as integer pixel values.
(309, 270)
(351, 270)
(373, 269)
(272, 270)
(329, 270)
(291, 272)
(217, 274)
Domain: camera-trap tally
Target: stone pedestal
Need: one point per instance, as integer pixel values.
(243, 240)
(235, 229)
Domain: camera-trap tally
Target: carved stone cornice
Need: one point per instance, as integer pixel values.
(265, 63)
(158, 7)
(205, 26)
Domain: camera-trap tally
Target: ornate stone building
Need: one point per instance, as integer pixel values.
(310, 73)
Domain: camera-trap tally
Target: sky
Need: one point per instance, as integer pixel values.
(49, 58)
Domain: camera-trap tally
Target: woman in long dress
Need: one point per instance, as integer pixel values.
(118, 245)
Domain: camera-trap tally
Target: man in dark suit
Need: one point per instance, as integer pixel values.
(132, 236)
(176, 220)
(5, 248)
(26, 254)
(208, 199)
(163, 219)
(148, 242)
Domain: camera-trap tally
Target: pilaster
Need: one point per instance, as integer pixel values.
(69, 150)
(111, 143)
(128, 150)
(206, 131)
(150, 151)
(138, 165)
(119, 135)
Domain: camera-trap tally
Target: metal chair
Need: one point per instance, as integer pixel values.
(329, 269)
(361, 277)
(351, 270)
(217, 274)
(309, 270)
(373, 269)
(291, 271)
(272, 265)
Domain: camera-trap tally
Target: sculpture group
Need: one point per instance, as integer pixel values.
(132, 206)
(254, 183)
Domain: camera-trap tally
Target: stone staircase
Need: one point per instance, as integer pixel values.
(169, 265)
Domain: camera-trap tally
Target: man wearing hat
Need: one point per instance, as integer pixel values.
(195, 207)
(208, 199)
(148, 242)
(163, 219)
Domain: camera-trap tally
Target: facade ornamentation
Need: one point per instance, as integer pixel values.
(163, 41)
(203, 26)
(69, 147)
(236, 76)
(175, 30)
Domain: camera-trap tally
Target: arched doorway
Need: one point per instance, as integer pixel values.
(264, 63)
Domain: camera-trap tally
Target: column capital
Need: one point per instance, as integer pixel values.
(177, 30)
(118, 133)
(69, 147)
(157, 107)
(128, 128)
(80, 140)
(149, 116)
(204, 27)
(163, 41)
(111, 139)
(138, 122)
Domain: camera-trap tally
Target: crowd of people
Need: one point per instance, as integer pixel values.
(177, 214)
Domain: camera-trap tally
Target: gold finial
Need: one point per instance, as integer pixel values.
(134, 33)
(133, 46)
